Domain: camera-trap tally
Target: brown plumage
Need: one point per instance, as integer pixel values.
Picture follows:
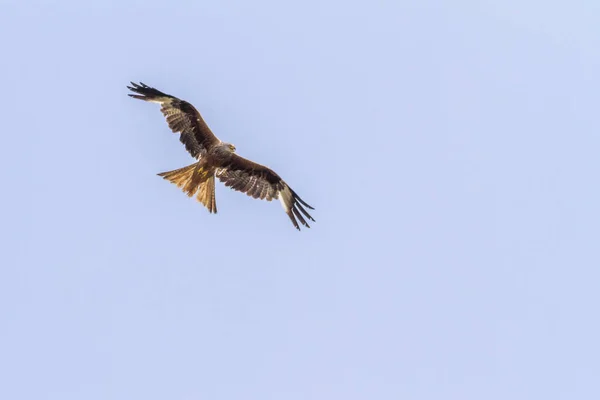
(218, 159)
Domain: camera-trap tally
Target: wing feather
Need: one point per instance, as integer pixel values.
(261, 182)
(182, 118)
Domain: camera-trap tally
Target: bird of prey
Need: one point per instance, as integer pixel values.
(217, 159)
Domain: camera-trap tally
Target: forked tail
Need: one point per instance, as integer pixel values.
(195, 179)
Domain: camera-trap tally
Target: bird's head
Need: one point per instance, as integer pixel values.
(231, 147)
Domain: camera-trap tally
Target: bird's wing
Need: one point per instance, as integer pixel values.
(262, 182)
(182, 117)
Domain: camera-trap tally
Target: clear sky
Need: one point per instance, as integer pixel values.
(450, 151)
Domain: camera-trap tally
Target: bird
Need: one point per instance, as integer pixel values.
(217, 159)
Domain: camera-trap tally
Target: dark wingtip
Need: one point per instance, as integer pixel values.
(306, 214)
(299, 216)
(293, 219)
(138, 86)
(300, 200)
(147, 93)
(134, 88)
(306, 205)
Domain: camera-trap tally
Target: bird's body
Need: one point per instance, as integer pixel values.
(216, 159)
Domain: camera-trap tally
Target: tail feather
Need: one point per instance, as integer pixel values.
(195, 179)
(206, 194)
(180, 176)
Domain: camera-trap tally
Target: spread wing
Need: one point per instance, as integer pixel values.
(261, 182)
(182, 118)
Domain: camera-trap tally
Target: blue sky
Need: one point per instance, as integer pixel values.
(450, 151)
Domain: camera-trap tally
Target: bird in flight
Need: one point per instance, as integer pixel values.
(218, 159)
